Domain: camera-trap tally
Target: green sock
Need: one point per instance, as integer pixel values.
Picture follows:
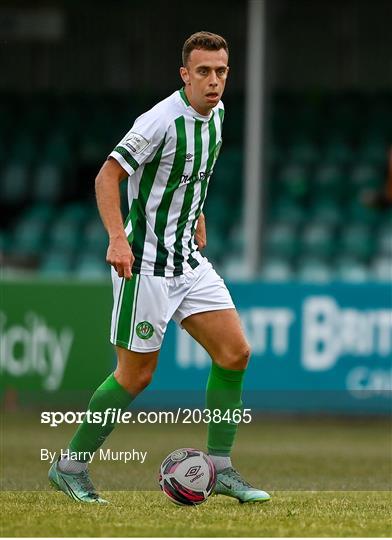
(89, 437)
(224, 390)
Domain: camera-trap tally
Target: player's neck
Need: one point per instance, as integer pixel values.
(203, 112)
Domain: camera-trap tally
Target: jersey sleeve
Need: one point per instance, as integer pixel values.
(141, 142)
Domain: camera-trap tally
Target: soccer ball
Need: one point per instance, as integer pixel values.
(187, 476)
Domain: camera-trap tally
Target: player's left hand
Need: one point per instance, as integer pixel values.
(201, 233)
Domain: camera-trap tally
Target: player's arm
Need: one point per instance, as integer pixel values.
(119, 253)
(201, 233)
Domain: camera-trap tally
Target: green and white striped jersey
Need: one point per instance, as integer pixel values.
(169, 154)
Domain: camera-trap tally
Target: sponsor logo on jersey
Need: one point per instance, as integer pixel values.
(144, 330)
(189, 178)
(188, 157)
(136, 143)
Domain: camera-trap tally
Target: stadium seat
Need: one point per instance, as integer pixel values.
(95, 237)
(56, 263)
(57, 150)
(294, 180)
(234, 269)
(90, 266)
(275, 269)
(350, 269)
(329, 180)
(39, 211)
(47, 183)
(366, 176)
(303, 152)
(317, 239)
(357, 212)
(23, 149)
(381, 269)
(357, 241)
(325, 210)
(28, 237)
(337, 152)
(65, 235)
(373, 150)
(384, 240)
(15, 184)
(313, 269)
(287, 210)
(281, 240)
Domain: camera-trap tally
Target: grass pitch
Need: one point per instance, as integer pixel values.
(327, 477)
(150, 514)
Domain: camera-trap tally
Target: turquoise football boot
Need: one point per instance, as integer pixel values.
(230, 483)
(77, 486)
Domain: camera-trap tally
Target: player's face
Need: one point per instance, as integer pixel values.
(205, 78)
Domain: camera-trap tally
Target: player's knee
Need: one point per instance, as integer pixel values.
(143, 380)
(236, 358)
(136, 383)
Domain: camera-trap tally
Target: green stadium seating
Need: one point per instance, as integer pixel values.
(56, 264)
(233, 268)
(91, 267)
(325, 210)
(57, 151)
(303, 152)
(276, 270)
(337, 152)
(23, 149)
(313, 269)
(47, 183)
(357, 212)
(286, 210)
(366, 176)
(281, 240)
(384, 240)
(14, 186)
(373, 150)
(294, 180)
(28, 238)
(216, 247)
(381, 269)
(318, 240)
(64, 235)
(95, 237)
(357, 241)
(329, 180)
(350, 269)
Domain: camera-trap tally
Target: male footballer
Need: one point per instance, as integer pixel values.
(158, 271)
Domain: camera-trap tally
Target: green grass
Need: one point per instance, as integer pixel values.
(328, 477)
(151, 514)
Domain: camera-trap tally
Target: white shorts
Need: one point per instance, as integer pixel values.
(144, 305)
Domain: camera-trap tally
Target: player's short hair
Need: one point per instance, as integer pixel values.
(203, 40)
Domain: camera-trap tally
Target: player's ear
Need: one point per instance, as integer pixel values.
(184, 74)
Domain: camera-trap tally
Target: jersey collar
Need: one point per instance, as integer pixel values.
(192, 111)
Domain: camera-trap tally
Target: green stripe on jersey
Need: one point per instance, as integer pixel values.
(132, 217)
(187, 202)
(127, 156)
(146, 183)
(204, 184)
(124, 324)
(172, 184)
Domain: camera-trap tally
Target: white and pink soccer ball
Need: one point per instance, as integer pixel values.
(187, 476)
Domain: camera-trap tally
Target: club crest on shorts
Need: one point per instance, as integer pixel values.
(144, 330)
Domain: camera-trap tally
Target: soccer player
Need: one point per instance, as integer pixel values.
(158, 271)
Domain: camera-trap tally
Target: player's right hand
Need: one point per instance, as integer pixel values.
(120, 256)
